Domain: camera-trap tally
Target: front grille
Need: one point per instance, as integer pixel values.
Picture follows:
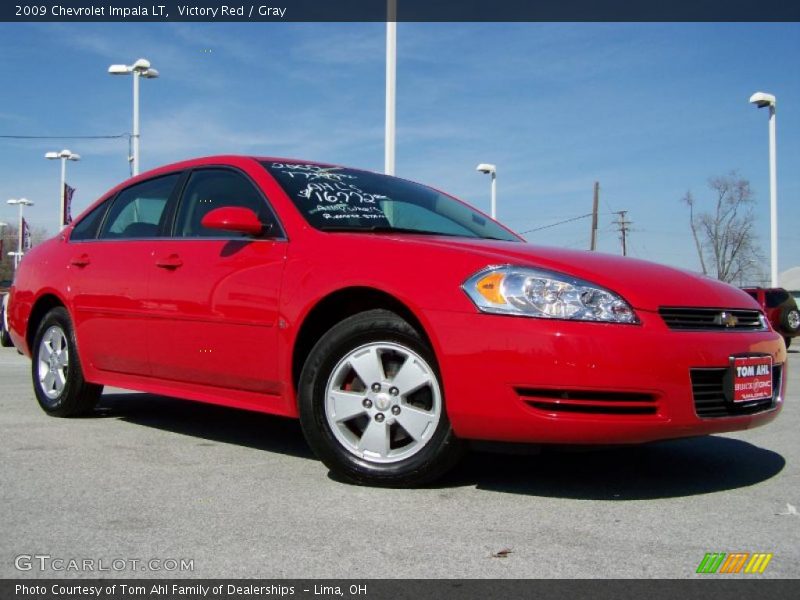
(708, 389)
(593, 402)
(711, 319)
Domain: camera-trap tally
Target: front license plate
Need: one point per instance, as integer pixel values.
(752, 378)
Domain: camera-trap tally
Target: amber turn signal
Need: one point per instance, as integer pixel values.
(489, 287)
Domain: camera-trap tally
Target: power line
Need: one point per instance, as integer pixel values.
(65, 137)
(555, 224)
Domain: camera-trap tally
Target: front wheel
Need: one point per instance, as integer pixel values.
(56, 370)
(372, 405)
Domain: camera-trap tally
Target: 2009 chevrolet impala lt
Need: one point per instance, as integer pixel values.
(395, 321)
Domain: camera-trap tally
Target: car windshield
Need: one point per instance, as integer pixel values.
(342, 199)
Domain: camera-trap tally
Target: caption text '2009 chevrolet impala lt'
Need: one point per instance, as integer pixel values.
(394, 320)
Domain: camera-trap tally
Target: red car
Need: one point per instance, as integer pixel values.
(781, 310)
(395, 321)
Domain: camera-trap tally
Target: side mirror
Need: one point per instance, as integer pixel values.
(233, 218)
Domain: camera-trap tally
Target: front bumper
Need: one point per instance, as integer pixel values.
(517, 379)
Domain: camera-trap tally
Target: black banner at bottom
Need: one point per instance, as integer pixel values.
(379, 589)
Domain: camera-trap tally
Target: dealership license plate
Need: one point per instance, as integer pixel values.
(752, 378)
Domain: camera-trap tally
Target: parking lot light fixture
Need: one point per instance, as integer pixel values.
(140, 68)
(63, 156)
(21, 203)
(764, 100)
(488, 169)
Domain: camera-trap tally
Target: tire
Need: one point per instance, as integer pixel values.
(5, 338)
(391, 431)
(790, 320)
(788, 342)
(56, 369)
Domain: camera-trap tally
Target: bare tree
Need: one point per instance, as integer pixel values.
(724, 238)
(10, 241)
(9, 245)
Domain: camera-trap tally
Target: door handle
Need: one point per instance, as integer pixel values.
(80, 261)
(173, 261)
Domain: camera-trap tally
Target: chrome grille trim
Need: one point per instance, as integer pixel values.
(712, 319)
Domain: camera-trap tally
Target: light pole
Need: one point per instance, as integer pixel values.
(488, 169)
(141, 68)
(21, 202)
(763, 100)
(64, 156)
(391, 78)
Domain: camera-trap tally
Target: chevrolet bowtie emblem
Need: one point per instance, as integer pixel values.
(726, 319)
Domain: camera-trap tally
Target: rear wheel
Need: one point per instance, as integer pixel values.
(56, 371)
(372, 405)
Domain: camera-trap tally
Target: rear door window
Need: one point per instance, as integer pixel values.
(138, 211)
(86, 228)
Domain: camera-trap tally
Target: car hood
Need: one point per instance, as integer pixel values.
(645, 285)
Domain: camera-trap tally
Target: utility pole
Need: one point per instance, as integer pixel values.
(593, 245)
(623, 230)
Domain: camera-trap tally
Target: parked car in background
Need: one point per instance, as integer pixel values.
(781, 309)
(395, 321)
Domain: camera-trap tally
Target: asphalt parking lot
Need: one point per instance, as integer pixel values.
(241, 495)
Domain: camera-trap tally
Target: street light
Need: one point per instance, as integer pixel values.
(141, 68)
(488, 169)
(64, 156)
(763, 100)
(391, 86)
(21, 202)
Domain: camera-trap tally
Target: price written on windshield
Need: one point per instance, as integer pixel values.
(337, 193)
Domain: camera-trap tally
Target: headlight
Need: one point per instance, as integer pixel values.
(528, 292)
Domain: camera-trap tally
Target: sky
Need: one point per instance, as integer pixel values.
(648, 110)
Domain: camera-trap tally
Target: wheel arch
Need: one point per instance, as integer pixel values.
(339, 305)
(43, 305)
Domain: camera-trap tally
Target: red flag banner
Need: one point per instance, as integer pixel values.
(67, 216)
(27, 242)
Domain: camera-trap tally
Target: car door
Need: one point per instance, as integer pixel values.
(213, 299)
(110, 263)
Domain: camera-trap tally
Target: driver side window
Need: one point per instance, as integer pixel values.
(214, 188)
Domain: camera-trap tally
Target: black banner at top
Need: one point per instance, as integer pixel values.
(406, 10)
